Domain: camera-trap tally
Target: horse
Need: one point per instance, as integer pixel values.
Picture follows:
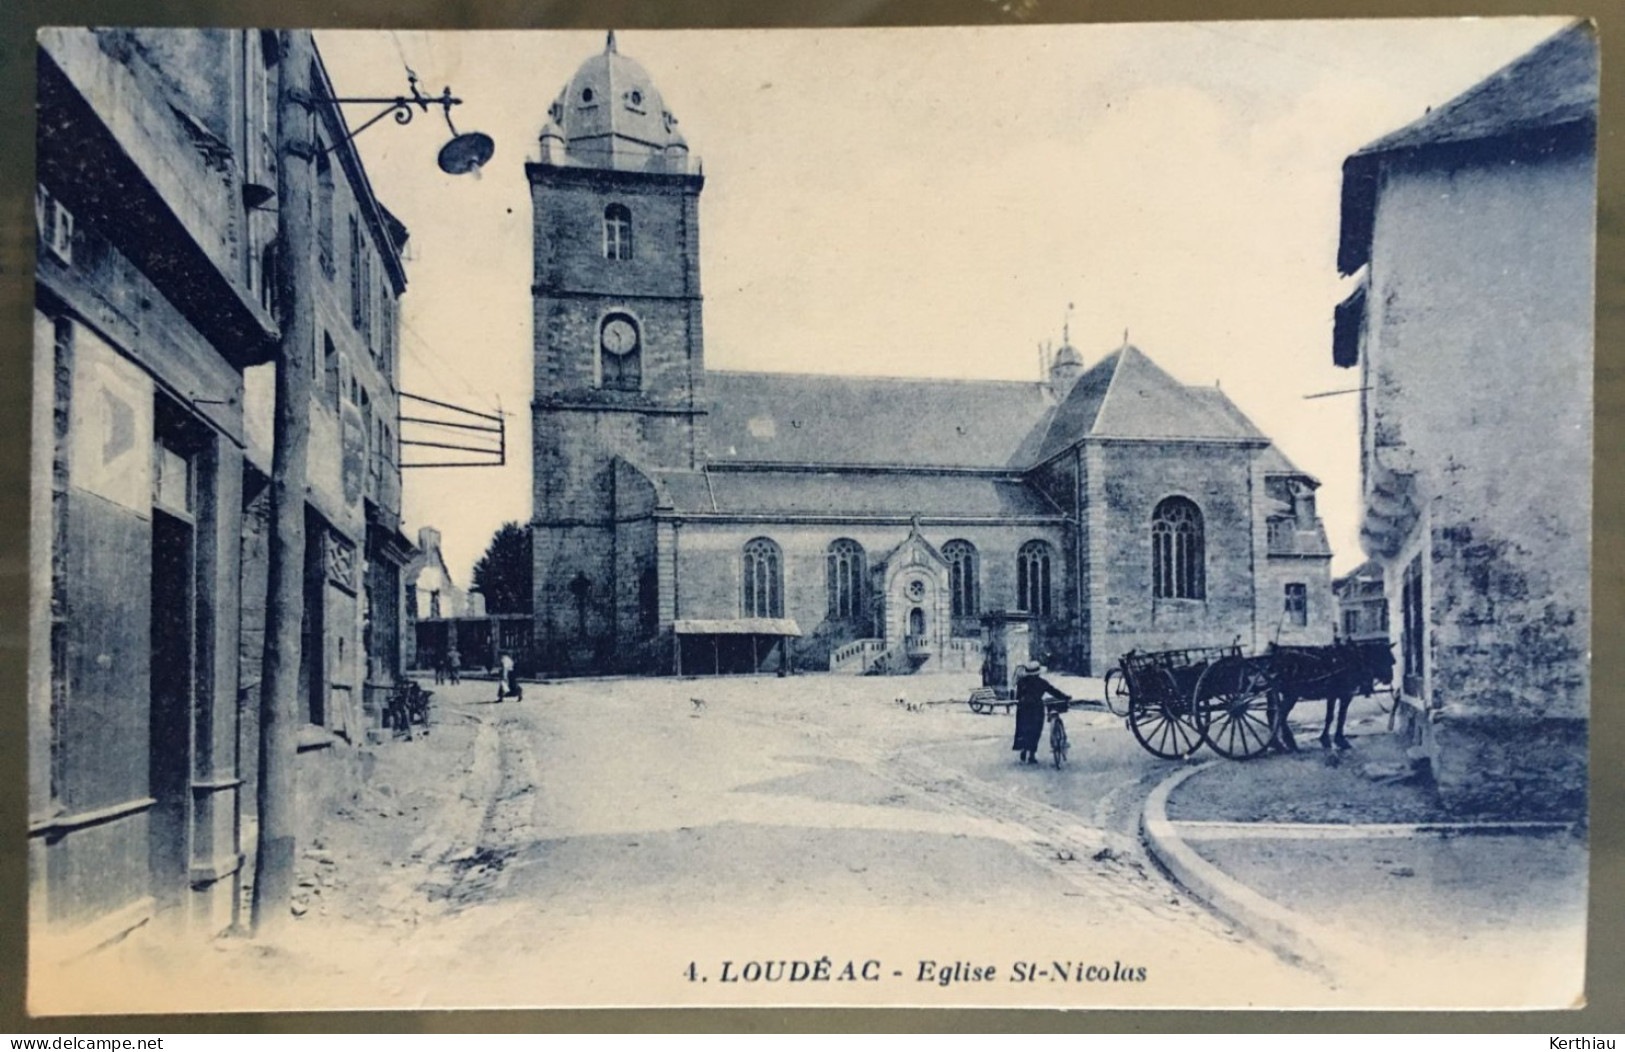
(1334, 673)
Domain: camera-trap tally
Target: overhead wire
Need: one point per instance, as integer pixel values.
(448, 377)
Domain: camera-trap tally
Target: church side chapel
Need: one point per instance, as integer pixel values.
(705, 521)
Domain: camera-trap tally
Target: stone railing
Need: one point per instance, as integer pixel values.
(855, 656)
(962, 654)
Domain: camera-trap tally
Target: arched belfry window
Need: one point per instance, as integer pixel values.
(1178, 557)
(617, 232)
(1033, 564)
(846, 575)
(620, 353)
(763, 575)
(962, 577)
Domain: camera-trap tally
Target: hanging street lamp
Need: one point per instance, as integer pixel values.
(466, 152)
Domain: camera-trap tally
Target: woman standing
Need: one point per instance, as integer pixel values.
(1031, 690)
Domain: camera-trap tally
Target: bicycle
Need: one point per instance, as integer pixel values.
(1117, 693)
(1058, 743)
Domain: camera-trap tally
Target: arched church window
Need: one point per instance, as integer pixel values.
(962, 577)
(1178, 557)
(846, 575)
(620, 354)
(1033, 563)
(617, 232)
(763, 575)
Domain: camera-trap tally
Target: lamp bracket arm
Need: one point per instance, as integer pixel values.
(400, 106)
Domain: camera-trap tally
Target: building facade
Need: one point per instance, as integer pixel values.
(1470, 235)
(689, 519)
(442, 618)
(1362, 603)
(155, 336)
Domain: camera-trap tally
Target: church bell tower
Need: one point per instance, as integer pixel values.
(619, 352)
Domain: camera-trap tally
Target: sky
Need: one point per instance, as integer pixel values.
(929, 202)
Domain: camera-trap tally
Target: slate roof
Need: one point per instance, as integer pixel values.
(1274, 462)
(798, 418)
(1126, 395)
(1555, 83)
(981, 425)
(849, 493)
(1550, 91)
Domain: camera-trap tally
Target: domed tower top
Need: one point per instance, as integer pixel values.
(1067, 365)
(611, 115)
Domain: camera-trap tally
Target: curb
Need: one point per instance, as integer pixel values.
(1283, 931)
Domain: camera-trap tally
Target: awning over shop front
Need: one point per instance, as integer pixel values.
(738, 626)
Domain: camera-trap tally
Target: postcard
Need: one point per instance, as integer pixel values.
(1028, 516)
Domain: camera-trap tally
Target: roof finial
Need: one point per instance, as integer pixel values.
(609, 44)
(1125, 336)
(1066, 327)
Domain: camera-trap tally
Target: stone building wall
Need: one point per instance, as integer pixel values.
(708, 583)
(1478, 355)
(590, 574)
(1125, 482)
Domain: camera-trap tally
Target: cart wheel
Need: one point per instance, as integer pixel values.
(980, 708)
(1235, 694)
(1118, 699)
(1166, 724)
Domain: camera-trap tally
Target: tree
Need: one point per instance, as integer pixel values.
(503, 574)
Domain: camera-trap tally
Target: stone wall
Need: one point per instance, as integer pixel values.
(1320, 620)
(1478, 356)
(579, 429)
(707, 583)
(1125, 482)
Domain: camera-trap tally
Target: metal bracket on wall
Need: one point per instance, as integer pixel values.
(465, 423)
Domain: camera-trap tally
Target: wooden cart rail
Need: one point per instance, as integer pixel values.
(1185, 657)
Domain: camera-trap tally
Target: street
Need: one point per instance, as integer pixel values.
(240, 797)
(666, 841)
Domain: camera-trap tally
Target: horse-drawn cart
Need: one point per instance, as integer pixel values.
(1175, 701)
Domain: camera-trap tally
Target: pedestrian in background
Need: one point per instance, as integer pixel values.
(454, 666)
(507, 685)
(1031, 690)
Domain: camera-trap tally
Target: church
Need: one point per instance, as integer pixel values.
(696, 521)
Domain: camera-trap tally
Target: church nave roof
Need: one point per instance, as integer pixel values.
(850, 493)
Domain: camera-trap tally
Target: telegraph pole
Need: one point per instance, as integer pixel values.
(279, 685)
(296, 278)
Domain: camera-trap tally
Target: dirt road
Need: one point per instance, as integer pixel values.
(708, 842)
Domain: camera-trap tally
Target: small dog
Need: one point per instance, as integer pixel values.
(699, 705)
